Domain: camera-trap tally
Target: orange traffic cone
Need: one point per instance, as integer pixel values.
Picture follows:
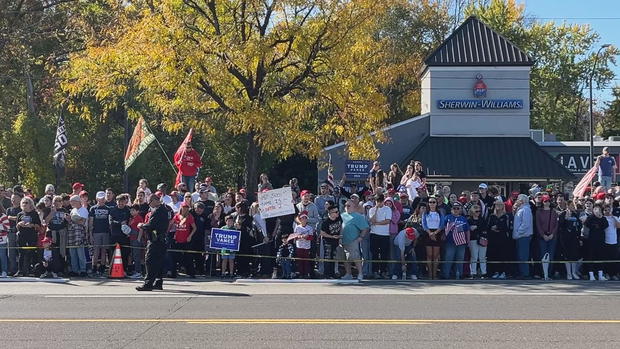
(117, 271)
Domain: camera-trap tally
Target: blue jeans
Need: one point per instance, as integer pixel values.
(4, 258)
(78, 259)
(456, 254)
(190, 181)
(605, 181)
(412, 268)
(366, 255)
(523, 255)
(547, 247)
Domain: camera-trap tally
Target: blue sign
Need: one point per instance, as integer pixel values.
(480, 104)
(225, 239)
(357, 169)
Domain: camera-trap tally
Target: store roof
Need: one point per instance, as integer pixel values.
(476, 44)
(487, 157)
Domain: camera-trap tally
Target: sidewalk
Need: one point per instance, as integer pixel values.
(212, 287)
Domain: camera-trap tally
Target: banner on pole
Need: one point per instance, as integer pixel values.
(140, 139)
(275, 203)
(60, 147)
(224, 239)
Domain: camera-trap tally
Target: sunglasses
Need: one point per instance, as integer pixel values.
(432, 202)
(476, 211)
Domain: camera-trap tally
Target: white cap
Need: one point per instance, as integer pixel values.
(100, 195)
(483, 186)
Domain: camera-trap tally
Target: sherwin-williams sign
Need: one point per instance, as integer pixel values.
(480, 104)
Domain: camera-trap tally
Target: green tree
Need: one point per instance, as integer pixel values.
(286, 76)
(564, 57)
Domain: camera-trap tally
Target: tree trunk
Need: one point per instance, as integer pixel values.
(252, 157)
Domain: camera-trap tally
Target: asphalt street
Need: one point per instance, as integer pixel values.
(213, 314)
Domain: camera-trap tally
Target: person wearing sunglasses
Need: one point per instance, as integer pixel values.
(478, 242)
(433, 222)
(457, 236)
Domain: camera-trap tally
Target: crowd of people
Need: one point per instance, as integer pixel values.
(391, 225)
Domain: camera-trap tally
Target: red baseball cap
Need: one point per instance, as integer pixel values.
(208, 179)
(77, 185)
(410, 232)
(305, 192)
(600, 196)
(83, 192)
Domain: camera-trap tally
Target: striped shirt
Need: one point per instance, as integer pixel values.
(5, 225)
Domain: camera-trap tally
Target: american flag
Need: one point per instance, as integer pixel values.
(330, 173)
(580, 189)
(458, 233)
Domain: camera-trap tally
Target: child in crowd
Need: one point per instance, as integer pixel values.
(304, 234)
(48, 263)
(287, 249)
(228, 258)
(136, 241)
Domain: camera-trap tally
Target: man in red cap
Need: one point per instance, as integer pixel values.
(77, 188)
(210, 187)
(404, 244)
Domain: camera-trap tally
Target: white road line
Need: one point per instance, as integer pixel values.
(153, 295)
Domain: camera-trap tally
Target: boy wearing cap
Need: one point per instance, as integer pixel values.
(99, 232)
(304, 234)
(48, 261)
(404, 245)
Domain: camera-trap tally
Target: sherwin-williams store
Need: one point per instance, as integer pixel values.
(475, 122)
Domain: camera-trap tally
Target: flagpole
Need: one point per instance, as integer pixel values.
(161, 147)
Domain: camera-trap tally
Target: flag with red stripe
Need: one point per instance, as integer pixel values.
(179, 154)
(580, 189)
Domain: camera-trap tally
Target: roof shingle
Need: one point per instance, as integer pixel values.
(475, 44)
(487, 157)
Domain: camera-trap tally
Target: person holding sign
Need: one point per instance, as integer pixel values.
(228, 258)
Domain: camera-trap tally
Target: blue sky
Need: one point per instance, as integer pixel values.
(602, 15)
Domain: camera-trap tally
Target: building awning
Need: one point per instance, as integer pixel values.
(498, 158)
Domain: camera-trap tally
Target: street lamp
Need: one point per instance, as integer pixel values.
(591, 104)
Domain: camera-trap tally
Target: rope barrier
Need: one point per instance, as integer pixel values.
(320, 259)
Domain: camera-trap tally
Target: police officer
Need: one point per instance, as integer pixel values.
(155, 231)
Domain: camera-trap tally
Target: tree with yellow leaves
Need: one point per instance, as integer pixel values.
(289, 75)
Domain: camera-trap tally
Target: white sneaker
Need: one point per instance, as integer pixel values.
(135, 276)
(502, 276)
(54, 275)
(3, 275)
(576, 276)
(360, 276)
(495, 276)
(347, 277)
(394, 277)
(601, 277)
(414, 277)
(591, 274)
(569, 277)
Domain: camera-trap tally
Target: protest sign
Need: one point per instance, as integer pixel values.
(225, 239)
(275, 203)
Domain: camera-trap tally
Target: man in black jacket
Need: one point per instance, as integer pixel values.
(155, 231)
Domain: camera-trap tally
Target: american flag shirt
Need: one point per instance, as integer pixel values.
(456, 229)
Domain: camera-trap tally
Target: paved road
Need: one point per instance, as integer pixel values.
(109, 314)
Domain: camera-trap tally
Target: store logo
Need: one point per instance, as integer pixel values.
(480, 88)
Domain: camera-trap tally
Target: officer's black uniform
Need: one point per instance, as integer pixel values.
(155, 231)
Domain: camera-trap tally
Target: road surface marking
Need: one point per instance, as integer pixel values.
(152, 295)
(328, 321)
